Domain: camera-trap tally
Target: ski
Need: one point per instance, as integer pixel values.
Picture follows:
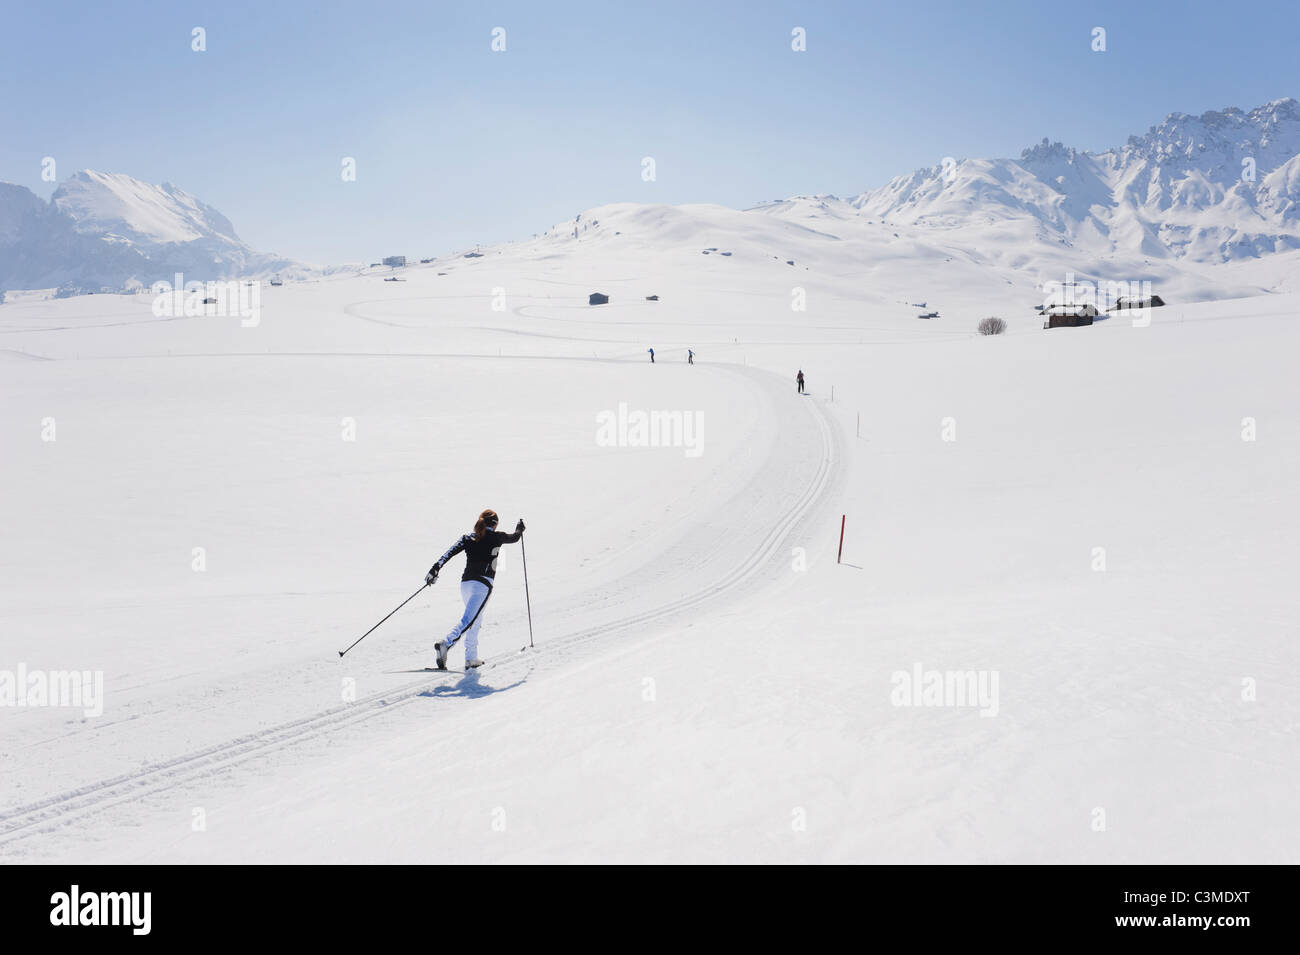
(487, 665)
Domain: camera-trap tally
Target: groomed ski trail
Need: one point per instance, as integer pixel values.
(818, 442)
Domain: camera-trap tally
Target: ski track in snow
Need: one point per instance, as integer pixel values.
(808, 434)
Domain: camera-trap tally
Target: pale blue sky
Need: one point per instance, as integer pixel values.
(456, 144)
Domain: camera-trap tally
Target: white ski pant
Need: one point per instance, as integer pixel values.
(475, 594)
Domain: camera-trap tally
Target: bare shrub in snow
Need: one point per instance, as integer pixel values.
(992, 326)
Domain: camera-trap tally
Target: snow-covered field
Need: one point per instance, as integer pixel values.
(1098, 524)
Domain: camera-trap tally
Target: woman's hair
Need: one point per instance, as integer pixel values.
(488, 517)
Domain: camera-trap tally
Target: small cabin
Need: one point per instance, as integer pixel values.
(1069, 316)
(1129, 301)
(597, 298)
(652, 298)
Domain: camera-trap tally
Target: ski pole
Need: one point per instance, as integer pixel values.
(527, 600)
(376, 626)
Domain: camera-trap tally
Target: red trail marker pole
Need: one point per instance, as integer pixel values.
(841, 553)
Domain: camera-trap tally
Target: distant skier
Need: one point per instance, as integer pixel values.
(476, 583)
(652, 355)
(690, 357)
(799, 380)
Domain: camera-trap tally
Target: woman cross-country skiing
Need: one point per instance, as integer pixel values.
(480, 549)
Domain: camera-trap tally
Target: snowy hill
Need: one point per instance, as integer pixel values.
(1217, 187)
(1103, 534)
(110, 230)
(986, 267)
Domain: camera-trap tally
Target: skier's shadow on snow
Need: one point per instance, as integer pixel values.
(469, 687)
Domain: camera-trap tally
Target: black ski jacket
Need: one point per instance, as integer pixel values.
(480, 555)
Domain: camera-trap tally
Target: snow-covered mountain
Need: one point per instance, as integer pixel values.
(111, 230)
(1221, 186)
(1192, 193)
(1199, 208)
